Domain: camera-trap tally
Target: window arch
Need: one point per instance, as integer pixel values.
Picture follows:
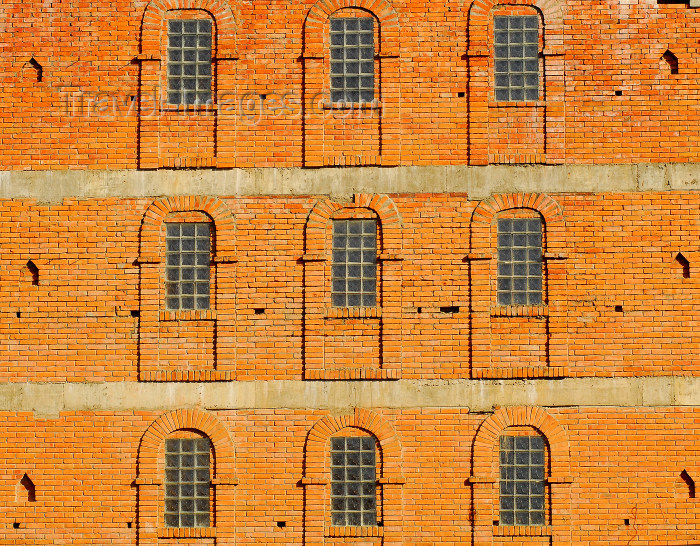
(353, 277)
(518, 290)
(157, 451)
(322, 480)
(490, 479)
(187, 257)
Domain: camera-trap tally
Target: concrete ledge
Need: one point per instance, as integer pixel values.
(49, 399)
(476, 182)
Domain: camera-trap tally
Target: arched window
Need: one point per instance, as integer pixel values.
(520, 476)
(353, 467)
(350, 100)
(352, 289)
(518, 287)
(186, 258)
(186, 461)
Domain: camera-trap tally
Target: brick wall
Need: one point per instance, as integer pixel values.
(607, 94)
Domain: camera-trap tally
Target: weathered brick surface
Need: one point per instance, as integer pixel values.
(618, 302)
(434, 69)
(625, 464)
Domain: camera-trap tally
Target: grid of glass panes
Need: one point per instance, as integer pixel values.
(353, 481)
(189, 61)
(354, 268)
(352, 59)
(187, 265)
(187, 482)
(516, 57)
(522, 480)
(520, 261)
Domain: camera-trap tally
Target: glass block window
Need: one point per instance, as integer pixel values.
(522, 480)
(187, 482)
(516, 67)
(353, 481)
(520, 261)
(187, 265)
(352, 59)
(189, 61)
(354, 268)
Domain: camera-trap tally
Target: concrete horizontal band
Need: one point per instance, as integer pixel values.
(478, 182)
(49, 399)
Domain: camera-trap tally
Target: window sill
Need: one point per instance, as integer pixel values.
(522, 530)
(540, 311)
(352, 312)
(374, 105)
(354, 531)
(340, 374)
(190, 314)
(520, 372)
(194, 376)
(517, 104)
(189, 108)
(186, 532)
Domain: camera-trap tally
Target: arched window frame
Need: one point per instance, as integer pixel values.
(485, 476)
(153, 311)
(483, 260)
(151, 477)
(317, 478)
(480, 53)
(153, 103)
(316, 55)
(319, 311)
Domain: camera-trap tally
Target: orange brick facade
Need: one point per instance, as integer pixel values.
(97, 373)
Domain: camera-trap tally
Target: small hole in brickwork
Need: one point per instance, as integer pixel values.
(259, 310)
(30, 273)
(419, 309)
(38, 68)
(685, 264)
(618, 93)
(495, 522)
(15, 525)
(19, 314)
(690, 483)
(135, 313)
(450, 309)
(671, 61)
(281, 524)
(460, 94)
(263, 96)
(618, 308)
(29, 488)
(128, 524)
(627, 521)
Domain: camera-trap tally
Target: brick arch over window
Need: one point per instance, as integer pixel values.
(317, 17)
(221, 12)
(485, 211)
(317, 443)
(485, 473)
(382, 205)
(316, 480)
(548, 351)
(380, 327)
(485, 458)
(151, 247)
(552, 11)
(151, 473)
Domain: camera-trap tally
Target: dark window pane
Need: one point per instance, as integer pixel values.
(353, 481)
(521, 480)
(519, 268)
(187, 505)
(353, 272)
